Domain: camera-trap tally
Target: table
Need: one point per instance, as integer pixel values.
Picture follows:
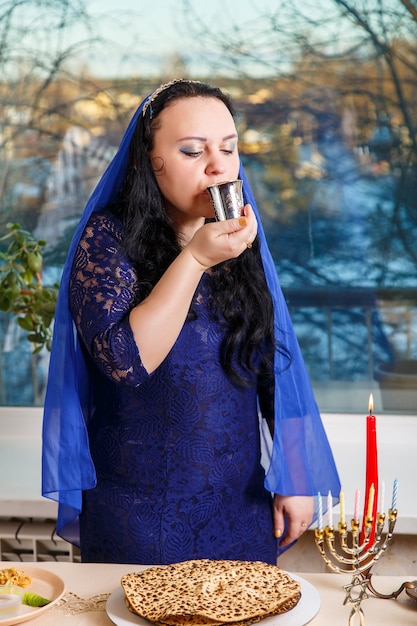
(93, 582)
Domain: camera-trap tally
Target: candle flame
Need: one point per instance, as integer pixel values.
(371, 403)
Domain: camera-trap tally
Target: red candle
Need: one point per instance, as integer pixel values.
(371, 485)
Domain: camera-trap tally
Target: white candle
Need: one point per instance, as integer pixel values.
(394, 495)
(382, 498)
(320, 511)
(356, 508)
(342, 507)
(330, 508)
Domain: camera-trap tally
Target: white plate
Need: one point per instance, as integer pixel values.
(45, 584)
(306, 609)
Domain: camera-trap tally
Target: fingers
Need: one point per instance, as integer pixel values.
(244, 229)
(294, 532)
(279, 523)
(227, 239)
(253, 231)
(278, 515)
(247, 219)
(292, 516)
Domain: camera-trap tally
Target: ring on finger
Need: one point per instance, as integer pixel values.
(303, 525)
(248, 245)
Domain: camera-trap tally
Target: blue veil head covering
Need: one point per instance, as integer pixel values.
(301, 461)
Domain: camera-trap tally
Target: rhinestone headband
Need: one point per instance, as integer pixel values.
(161, 88)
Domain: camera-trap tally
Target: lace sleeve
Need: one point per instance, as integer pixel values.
(101, 294)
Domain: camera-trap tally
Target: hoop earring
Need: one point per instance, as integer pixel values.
(158, 170)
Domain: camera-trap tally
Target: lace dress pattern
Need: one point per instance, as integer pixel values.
(177, 452)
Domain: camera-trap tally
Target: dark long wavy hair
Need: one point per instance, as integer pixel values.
(239, 285)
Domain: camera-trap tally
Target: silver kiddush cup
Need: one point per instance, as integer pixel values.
(227, 199)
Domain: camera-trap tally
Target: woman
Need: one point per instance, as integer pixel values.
(182, 336)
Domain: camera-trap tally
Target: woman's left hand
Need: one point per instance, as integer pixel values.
(299, 513)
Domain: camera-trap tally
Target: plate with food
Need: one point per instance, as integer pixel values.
(213, 593)
(37, 588)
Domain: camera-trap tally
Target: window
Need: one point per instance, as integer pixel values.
(328, 141)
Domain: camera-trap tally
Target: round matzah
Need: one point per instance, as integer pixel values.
(218, 591)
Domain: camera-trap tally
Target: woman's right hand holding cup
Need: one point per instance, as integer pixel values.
(220, 241)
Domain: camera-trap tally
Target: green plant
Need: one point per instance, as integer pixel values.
(21, 290)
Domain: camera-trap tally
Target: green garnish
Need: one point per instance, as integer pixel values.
(32, 599)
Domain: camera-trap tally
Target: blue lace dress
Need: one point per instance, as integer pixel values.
(177, 453)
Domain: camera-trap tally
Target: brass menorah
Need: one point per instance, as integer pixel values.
(354, 554)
